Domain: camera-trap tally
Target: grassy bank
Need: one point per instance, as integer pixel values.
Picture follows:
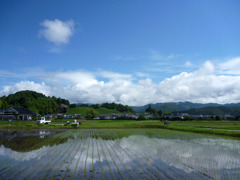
(227, 128)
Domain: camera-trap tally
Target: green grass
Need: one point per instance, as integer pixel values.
(228, 128)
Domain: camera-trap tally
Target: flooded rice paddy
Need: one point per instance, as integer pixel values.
(117, 154)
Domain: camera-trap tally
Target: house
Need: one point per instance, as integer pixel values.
(48, 116)
(229, 117)
(19, 113)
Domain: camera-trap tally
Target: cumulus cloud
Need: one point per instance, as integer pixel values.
(57, 31)
(232, 66)
(26, 85)
(203, 86)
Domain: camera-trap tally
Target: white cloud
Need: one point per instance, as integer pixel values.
(56, 31)
(203, 86)
(26, 85)
(114, 75)
(188, 64)
(232, 66)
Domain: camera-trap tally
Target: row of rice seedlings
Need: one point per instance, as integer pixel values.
(71, 147)
(75, 170)
(196, 173)
(81, 165)
(71, 159)
(147, 159)
(90, 161)
(109, 167)
(93, 169)
(22, 166)
(145, 169)
(85, 167)
(48, 164)
(146, 155)
(113, 159)
(9, 163)
(117, 153)
(161, 168)
(99, 157)
(133, 163)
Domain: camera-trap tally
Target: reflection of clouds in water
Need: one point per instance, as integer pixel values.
(23, 156)
(195, 157)
(198, 154)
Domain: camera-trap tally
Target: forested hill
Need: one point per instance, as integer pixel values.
(194, 108)
(36, 102)
(218, 110)
(174, 106)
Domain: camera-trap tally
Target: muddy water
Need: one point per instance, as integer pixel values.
(117, 154)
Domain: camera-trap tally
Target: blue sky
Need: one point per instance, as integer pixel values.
(130, 52)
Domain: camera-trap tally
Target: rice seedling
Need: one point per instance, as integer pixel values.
(84, 172)
(124, 154)
(110, 169)
(113, 159)
(75, 170)
(68, 162)
(20, 167)
(99, 158)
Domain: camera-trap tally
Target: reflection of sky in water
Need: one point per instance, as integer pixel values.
(195, 157)
(203, 154)
(23, 156)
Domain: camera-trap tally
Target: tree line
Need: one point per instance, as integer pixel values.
(118, 107)
(34, 101)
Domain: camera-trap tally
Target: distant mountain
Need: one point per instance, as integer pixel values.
(174, 106)
(218, 110)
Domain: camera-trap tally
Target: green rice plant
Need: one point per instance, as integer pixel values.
(75, 170)
(64, 154)
(112, 148)
(29, 125)
(86, 161)
(134, 167)
(20, 168)
(59, 152)
(70, 160)
(114, 161)
(99, 158)
(139, 165)
(93, 156)
(110, 169)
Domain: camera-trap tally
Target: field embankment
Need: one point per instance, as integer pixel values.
(227, 128)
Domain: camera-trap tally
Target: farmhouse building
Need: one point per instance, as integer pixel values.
(16, 113)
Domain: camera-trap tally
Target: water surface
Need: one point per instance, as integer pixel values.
(117, 154)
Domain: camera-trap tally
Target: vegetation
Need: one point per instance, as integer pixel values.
(35, 102)
(193, 108)
(123, 154)
(228, 128)
(91, 111)
(83, 110)
(218, 110)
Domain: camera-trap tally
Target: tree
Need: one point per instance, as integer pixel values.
(150, 110)
(72, 105)
(218, 118)
(95, 106)
(90, 114)
(159, 112)
(141, 117)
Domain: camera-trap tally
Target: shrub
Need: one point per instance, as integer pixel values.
(29, 125)
(74, 125)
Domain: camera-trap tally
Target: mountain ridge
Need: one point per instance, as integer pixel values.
(189, 107)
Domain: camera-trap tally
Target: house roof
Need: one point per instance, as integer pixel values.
(22, 110)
